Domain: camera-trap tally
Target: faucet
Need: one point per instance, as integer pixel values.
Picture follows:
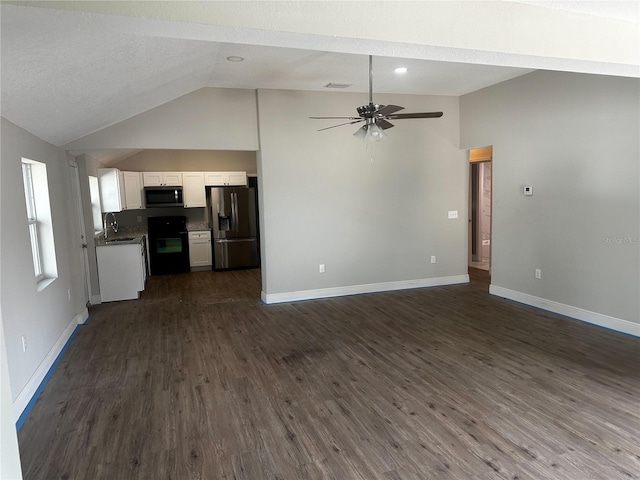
(114, 223)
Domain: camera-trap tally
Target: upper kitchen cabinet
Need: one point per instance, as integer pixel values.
(119, 190)
(161, 179)
(223, 179)
(111, 186)
(132, 190)
(193, 191)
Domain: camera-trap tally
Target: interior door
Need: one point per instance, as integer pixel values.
(80, 243)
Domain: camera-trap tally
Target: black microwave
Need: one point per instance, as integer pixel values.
(163, 197)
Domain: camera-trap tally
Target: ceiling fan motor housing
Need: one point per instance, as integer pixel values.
(368, 111)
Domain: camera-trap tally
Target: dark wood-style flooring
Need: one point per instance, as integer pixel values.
(199, 380)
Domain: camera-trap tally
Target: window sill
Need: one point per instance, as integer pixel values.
(44, 283)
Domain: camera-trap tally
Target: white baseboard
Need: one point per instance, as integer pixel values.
(82, 317)
(617, 324)
(30, 389)
(270, 298)
(96, 300)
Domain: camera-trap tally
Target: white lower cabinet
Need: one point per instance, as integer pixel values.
(121, 271)
(200, 250)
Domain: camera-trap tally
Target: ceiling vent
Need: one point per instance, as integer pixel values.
(338, 85)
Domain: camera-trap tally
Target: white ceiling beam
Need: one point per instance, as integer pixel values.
(485, 32)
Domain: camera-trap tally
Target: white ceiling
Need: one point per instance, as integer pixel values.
(66, 74)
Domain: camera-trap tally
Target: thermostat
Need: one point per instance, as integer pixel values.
(528, 190)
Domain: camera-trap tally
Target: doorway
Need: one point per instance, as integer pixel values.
(80, 241)
(480, 200)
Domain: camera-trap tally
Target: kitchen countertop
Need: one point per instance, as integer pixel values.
(136, 232)
(196, 227)
(120, 238)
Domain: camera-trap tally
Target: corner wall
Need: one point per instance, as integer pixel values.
(49, 317)
(574, 138)
(373, 218)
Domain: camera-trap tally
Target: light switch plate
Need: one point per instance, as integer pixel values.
(528, 190)
(453, 214)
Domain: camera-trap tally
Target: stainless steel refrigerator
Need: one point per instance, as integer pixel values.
(234, 223)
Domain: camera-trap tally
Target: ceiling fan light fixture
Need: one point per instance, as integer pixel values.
(374, 133)
(361, 133)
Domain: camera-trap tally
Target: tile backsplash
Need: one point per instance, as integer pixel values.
(128, 219)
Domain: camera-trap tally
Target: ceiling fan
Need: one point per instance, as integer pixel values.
(376, 117)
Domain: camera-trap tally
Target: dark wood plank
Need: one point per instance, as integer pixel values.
(199, 380)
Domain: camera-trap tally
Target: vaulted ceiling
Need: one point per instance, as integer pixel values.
(73, 68)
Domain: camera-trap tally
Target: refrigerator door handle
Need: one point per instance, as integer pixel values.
(234, 240)
(234, 197)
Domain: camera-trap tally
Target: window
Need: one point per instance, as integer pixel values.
(95, 204)
(36, 194)
(32, 219)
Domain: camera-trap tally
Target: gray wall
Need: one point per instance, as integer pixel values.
(207, 119)
(574, 138)
(325, 199)
(190, 161)
(43, 316)
(370, 217)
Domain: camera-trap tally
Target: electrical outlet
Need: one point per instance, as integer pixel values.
(24, 343)
(538, 273)
(453, 214)
(321, 268)
(433, 259)
(139, 219)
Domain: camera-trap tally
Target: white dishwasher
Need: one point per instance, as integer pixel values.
(200, 250)
(121, 269)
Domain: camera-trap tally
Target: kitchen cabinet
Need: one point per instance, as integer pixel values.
(223, 179)
(161, 179)
(119, 190)
(200, 250)
(193, 192)
(132, 190)
(121, 270)
(111, 187)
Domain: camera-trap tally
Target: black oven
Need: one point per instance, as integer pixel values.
(168, 245)
(163, 197)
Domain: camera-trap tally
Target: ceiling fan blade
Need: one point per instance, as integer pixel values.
(335, 118)
(389, 109)
(341, 124)
(383, 124)
(400, 116)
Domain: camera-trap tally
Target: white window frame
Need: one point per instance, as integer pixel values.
(32, 219)
(40, 222)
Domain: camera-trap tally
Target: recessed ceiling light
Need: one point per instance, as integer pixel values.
(233, 58)
(401, 70)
